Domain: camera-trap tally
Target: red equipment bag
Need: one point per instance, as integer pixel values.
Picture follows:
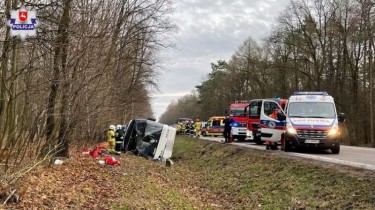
(109, 160)
(95, 152)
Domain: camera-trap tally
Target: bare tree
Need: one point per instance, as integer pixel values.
(78, 75)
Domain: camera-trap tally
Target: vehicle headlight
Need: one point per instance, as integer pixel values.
(333, 131)
(291, 130)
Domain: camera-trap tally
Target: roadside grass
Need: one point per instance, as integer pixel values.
(148, 184)
(205, 175)
(254, 179)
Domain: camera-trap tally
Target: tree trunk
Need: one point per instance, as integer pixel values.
(4, 73)
(60, 47)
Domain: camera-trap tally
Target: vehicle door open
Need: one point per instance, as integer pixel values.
(272, 122)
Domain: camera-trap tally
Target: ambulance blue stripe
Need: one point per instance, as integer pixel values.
(278, 123)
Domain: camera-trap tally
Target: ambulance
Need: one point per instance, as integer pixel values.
(268, 107)
(214, 126)
(309, 120)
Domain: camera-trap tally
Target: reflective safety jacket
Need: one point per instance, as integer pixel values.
(111, 135)
(198, 125)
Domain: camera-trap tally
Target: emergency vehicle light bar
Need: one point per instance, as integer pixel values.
(324, 93)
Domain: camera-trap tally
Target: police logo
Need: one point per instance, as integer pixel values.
(23, 23)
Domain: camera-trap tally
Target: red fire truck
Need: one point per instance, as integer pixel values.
(237, 112)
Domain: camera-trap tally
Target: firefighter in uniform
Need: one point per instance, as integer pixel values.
(179, 128)
(227, 129)
(120, 133)
(111, 139)
(197, 126)
(183, 128)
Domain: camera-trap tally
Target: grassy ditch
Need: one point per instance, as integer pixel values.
(206, 175)
(245, 178)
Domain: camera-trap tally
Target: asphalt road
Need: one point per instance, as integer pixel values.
(359, 157)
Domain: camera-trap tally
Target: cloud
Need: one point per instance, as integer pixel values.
(209, 31)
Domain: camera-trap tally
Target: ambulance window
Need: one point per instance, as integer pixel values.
(270, 107)
(216, 123)
(312, 109)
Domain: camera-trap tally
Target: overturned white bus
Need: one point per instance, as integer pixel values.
(149, 138)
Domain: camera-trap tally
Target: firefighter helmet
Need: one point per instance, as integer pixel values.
(112, 127)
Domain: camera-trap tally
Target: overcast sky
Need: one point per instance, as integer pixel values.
(209, 30)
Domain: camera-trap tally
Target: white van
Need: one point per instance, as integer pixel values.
(311, 121)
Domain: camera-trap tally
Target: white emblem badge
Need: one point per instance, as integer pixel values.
(23, 23)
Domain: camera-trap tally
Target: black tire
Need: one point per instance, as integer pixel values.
(287, 147)
(204, 133)
(240, 139)
(335, 149)
(258, 141)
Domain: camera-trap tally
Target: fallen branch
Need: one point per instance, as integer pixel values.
(11, 194)
(26, 170)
